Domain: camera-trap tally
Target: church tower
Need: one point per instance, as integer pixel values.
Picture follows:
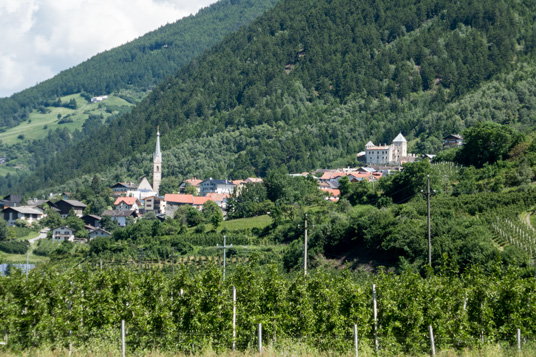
(157, 163)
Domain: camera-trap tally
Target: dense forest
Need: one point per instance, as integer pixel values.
(142, 63)
(308, 83)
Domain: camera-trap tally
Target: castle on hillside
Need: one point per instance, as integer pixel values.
(394, 154)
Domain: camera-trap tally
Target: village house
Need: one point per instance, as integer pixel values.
(155, 204)
(254, 180)
(332, 194)
(99, 99)
(92, 220)
(195, 182)
(332, 176)
(120, 217)
(99, 232)
(174, 201)
(63, 233)
(123, 188)
(10, 201)
(28, 213)
(65, 206)
(216, 186)
(367, 176)
(220, 199)
(453, 141)
(127, 203)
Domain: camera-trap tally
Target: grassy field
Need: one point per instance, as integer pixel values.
(4, 170)
(38, 125)
(243, 223)
(246, 223)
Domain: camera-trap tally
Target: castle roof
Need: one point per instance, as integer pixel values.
(400, 139)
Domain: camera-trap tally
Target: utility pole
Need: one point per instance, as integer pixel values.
(224, 247)
(428, 194)
(173, 261)
(28, 259)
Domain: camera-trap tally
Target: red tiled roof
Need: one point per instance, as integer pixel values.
(358, 175)
(332, 175)
(334, 192)
(194, 181)
(128, 200)
(217, 196)
(200, 200)
(178, 198)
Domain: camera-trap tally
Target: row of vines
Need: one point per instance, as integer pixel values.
(192, 309)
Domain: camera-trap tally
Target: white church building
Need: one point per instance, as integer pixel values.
(394, 154)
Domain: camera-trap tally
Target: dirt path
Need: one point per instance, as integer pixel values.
(526, 219)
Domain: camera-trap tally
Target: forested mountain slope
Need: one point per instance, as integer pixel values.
(309, 82)
(142, 63)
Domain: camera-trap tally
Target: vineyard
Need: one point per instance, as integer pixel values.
(511, 231)
(193, 308)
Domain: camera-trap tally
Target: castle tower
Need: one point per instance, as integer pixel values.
(399, 149)
(157, 163)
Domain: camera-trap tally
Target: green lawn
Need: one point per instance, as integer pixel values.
(243, 223)
(246, 223)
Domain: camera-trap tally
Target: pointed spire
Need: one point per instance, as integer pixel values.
(157, 153)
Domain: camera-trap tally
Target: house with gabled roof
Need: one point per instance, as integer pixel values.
(216, 186)
(28, 213)
(63, 233)
(120, 217)
(194, 181)
(11, 201)
(174, 201)
(98, 232)
(156, 204)
(452, 141)
(92, 220)
(65, 206)
(123, 188)
(127, 203)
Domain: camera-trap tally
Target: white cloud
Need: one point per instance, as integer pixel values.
(39, 38)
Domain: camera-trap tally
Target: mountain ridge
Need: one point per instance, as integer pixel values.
(364, 67)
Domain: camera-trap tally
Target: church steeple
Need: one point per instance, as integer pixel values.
(157, 163)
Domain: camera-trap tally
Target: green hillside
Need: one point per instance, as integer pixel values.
(142, 63)
(309, 83)
(129, 71)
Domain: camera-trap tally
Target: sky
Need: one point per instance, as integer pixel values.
(40, 38)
